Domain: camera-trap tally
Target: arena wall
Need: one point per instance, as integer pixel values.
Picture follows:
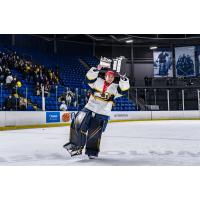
(26, 119)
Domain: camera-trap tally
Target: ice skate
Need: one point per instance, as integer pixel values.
(72, 149)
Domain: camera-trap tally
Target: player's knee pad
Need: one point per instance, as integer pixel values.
(81, 121)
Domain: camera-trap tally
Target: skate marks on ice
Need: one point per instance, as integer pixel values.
(152, 138)
(107, 158)
(151, 158)
(124, 144)
(36, 159)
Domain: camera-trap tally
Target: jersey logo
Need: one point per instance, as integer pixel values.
(105, 96)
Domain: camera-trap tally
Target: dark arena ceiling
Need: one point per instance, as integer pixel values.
(120, 39)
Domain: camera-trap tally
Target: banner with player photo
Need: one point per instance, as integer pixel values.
(162, 64)
(198, 56)
(185, 61)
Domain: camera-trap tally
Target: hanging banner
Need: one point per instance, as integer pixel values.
(162, 64)
(185, 61)
(198, 56)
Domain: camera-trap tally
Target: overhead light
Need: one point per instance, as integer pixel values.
(153, 47)
(129, 41)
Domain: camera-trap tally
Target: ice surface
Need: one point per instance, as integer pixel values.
(127, 143)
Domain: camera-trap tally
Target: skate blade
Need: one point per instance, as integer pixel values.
(92, 157)
(77, 153)
(73, 152)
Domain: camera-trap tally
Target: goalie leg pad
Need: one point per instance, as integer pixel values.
(97, 126)
(79, 127)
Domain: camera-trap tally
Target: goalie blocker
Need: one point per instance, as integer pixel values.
(86, 130)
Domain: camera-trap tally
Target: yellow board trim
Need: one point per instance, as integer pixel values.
(68, 124)
(5, 128)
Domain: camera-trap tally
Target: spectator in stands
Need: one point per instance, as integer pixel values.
(16, 64)
(22, 103)
(18, 84)
(38, 89)
(9, 103)
(1, 75)
(62, 97)
(26, 71)
(6, 71)
(63, 106)
(13, 83)
(75, 103)
(37, 73)
(168, 81)
(54, 79)
(150, 79)
(47, 90)
(37, 79)
(146, 81)
(50, 76)
(35, 107)
(9, 79)
(1, 55)
(38, 92)
(31, 73)
(15, 97)
(69, 98)
(76, 98)
(45, 80)
(40, 73)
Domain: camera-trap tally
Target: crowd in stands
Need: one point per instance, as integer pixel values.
(68, 98)
(14, 102)
(41, 76)
(38, 78)
(32, 73)
(6, 76)
(37, 74)
(73, 98)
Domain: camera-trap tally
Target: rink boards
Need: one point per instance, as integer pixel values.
(30, 119)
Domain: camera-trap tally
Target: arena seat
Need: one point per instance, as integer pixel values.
(72, 74)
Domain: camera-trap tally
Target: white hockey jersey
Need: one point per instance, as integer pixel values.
(100, 102)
